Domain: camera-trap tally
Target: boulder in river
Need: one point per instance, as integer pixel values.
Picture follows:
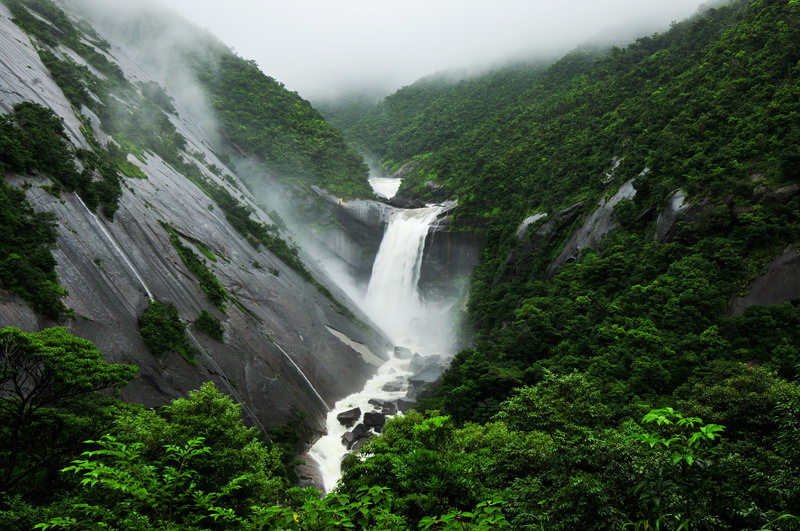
(404, 404)
(351, 437)
(349, 417)
(392, 387)
(374, 420)
(419, 362)
(402, 353)
(359, 443)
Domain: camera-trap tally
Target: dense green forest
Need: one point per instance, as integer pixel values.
(256, 115)
(617, 390)
(568, 360)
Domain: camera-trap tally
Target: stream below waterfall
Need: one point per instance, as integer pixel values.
(421, 330)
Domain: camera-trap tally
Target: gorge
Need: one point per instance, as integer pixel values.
(557, 293)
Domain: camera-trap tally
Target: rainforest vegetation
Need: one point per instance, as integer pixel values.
(569, 360)
(618, 389)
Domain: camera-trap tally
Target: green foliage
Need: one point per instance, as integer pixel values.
(235, 450)
(674, 491)
(539, 414)
(184, 466)
(276, 126)
(208, 282)
(24, 17)
(485, 516)
(34, 138)
(554, 458)
(570, 476)
(369, 509)
(210, 325)
(51, 399)
(260, 116)
(67, 77)
(50, 25)
(436, 113)
(290, 438)
(154, 92)
(152, 497)
(162, 330)
(143, 127)
(27, 268)
(193, 465)
(687, 443)
(640, 316)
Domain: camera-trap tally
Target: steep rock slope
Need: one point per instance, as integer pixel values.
(278, 356)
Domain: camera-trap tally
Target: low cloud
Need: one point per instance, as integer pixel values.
(321, 48)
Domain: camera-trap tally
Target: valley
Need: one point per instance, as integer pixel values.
(557, 293)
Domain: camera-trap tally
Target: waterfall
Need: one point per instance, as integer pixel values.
(393, 301)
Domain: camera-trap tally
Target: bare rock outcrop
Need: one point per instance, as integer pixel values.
(780, 283)
(599, 223)
(278, 355)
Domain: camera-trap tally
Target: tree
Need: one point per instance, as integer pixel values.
(162, 330)
(678, 485)
(51, 400)
(235, 449)
(142, 496)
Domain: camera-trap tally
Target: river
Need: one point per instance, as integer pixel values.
(393, 301)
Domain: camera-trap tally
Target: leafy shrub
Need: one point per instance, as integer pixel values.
(162, 330)
(210, 325)
(208, 282)
(66, 77)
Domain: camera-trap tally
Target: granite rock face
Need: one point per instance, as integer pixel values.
(779, 283)
(278, 355)
(673, 212)
(599, 223)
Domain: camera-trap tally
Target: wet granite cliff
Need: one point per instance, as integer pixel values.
(279, 354)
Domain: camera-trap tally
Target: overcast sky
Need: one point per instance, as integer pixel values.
(323, 47)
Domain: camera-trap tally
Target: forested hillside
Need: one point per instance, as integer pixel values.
(635, 308)
(126, 228)
(576, 343)
(256, 114)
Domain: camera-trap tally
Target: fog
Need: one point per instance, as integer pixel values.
(322, 48)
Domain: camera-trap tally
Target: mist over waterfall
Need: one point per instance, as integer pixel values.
(393, 299)
(421, 329)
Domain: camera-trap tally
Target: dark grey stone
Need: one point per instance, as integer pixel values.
(404, 404)
(392, 387)
(375, 420)
(349, 417)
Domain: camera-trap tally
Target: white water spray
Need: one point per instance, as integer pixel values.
(329, 451)
(393, 300)
(385, 186)
(394, 303)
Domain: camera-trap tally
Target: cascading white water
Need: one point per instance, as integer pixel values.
(393, 301)
(329, 451)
